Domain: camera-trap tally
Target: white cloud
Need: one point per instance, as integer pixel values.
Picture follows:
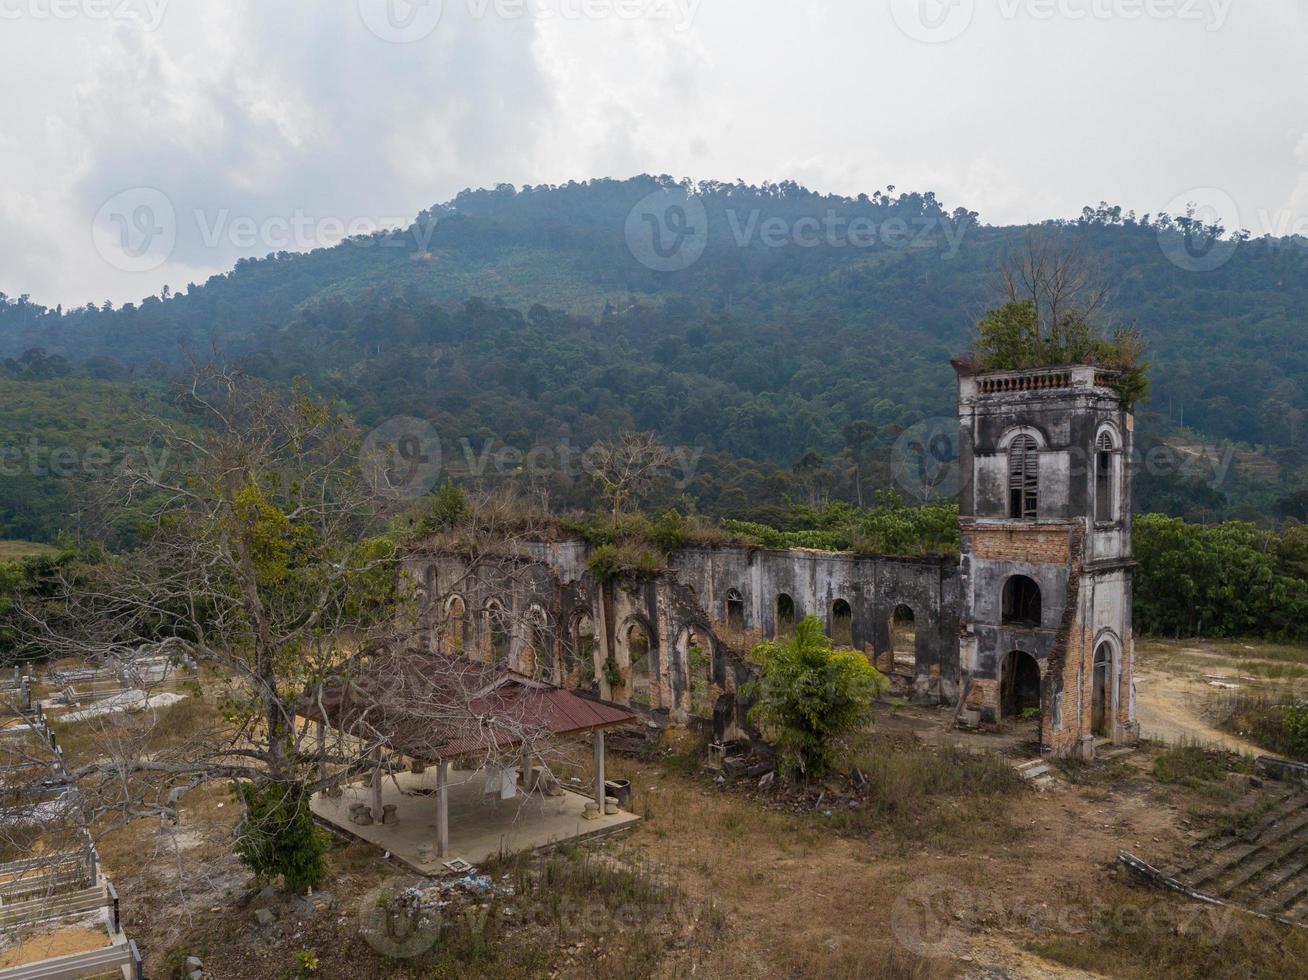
(272, 109)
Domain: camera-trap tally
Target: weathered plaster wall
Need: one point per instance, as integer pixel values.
(564, 625)
(680, 610)
(1077, 549)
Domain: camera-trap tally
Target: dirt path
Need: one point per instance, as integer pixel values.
(1184, 692)
(1172, 709)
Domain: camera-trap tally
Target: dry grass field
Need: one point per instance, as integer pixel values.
(944, 864)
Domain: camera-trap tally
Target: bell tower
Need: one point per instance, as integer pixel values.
(1045, 517)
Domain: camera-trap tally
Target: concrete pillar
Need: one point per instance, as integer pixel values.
(599, 769)
(377, 811)
(528, 772)
(322, 751)
(443, 809)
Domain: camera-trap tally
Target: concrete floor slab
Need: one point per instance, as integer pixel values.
(481, 826)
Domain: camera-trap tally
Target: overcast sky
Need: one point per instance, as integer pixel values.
(195, 131)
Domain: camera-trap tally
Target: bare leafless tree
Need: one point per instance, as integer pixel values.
(1067, 293)
(625, 468)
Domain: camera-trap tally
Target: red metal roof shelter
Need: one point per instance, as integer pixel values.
(431, 707)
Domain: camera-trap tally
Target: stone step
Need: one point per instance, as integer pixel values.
(1271, 858)
(1286, 887)
(1298, 912)
(1225, 860)
(1207, 848)
(1037, 772)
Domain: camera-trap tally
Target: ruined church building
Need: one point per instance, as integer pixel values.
(1033, 620)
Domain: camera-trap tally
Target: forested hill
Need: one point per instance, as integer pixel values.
(534, 314)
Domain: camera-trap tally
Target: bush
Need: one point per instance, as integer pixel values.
(277, 835)
(1194, 766)
(1294, 722)
(811, 694)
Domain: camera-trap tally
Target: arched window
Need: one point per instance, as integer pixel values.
(1105, 482)
(785, 614)
(456, 611)
(735, 611)
(497, 632)
(1023, 477)
(1021, 602)
(842, 623)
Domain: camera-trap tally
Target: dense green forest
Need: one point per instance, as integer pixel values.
(792, 361)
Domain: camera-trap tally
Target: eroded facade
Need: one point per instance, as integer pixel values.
(1033, 620)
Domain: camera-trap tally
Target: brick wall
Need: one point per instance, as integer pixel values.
(1034, 545)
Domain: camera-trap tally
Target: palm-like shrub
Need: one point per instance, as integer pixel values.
(811, 694)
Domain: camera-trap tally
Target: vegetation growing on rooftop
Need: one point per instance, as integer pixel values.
(637, 545)
(1052, 314)
(890, 527)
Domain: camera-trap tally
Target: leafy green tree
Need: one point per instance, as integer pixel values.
(811, 694)
(1008, 337)
(277, 835)
(1228, 579)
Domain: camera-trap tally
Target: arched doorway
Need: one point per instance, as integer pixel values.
(1101, 703)
(1021, 602)
(842, 623)
(735, 611)
(583, 649)
(697, 655)
(498, 636)
(1019, 685)
(638, 674)
(903, 639)
(538, 651)
(785, 615)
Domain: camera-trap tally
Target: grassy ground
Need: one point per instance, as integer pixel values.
(13, 551)
(1262, 721)
(1126, 931)
(944, 864)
